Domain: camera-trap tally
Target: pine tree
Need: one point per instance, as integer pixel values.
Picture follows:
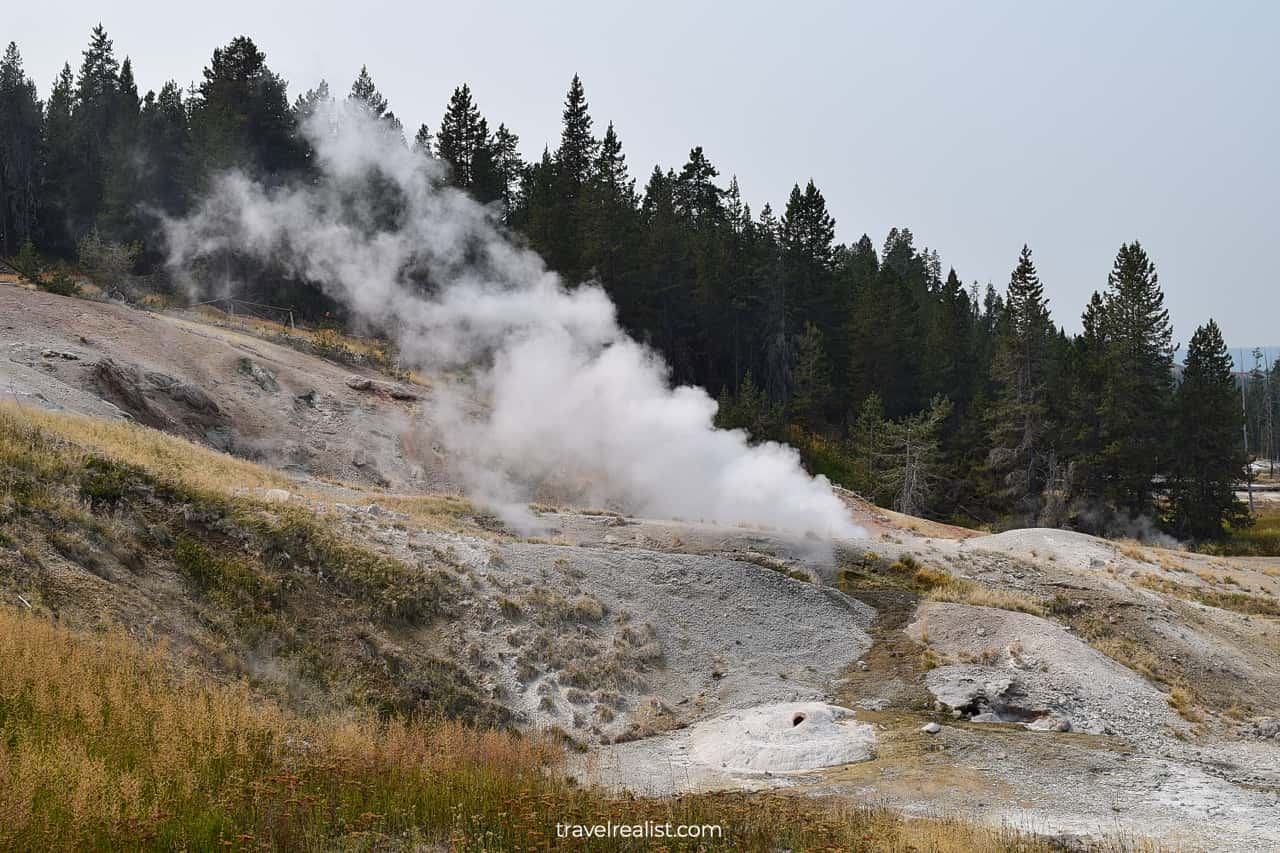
(422, 141)
(573, 162)
(21, 115)
(908, 459)
(94, 113)
(58, 168)
(808, 236)
(865, 437)
(240, 117)
(165, 142)
(534, 214)
(1210, 458)
(1019, 428)
(751, 410)
(463, 138)
(776, 343)
(306, 104)
(122, 216)
(812, 380)
(577, 148)
(1137, 390)
(508, 166)
(884, 341)
(948, 356)
(609, 220)
(809, 254)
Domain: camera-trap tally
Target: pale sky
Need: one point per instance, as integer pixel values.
(1072, 127)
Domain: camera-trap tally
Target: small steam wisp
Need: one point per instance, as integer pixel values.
(555, 391)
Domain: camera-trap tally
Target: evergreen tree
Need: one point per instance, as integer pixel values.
(744, 287)
(812, 380)
(577, 149)
(573, 162)
(1137, 389)
(240, 117)
(165, 141)
(948, 353)
(884, 340)
(306, 104)
(58, 168)
(1210, 457)
(365, 93)
(865, 438)
(808, 236)
(463, 137)
(1019, 428)
(777, 345)
(909, 463)
(536, 205)
(21, 115)
(663, 306)
(1088, 369)
(122, 216)
(507, 168)
(422, 140)
(94, 113)
(751, 410)
(609, 220)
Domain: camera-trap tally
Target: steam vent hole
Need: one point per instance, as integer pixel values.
(797, 720)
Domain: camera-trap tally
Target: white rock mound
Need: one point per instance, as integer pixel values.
(781, 738)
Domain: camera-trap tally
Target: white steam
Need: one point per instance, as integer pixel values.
(556, 396)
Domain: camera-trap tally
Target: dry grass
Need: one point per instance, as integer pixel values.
(196, 466)
(326, 343)
(1134, 551)
(105, 747)
(870, 570)
(1182, 700)
(1240, 602)
(200, 469)
(965, 592)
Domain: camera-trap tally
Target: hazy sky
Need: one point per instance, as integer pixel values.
(980, 126)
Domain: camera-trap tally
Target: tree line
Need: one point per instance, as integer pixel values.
(890, 375)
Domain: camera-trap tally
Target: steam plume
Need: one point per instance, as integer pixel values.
(557, 393)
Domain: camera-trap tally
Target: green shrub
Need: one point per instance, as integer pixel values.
(60, 283)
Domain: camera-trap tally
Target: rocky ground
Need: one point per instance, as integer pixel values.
(1138, 696)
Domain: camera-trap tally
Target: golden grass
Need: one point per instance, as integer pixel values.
(1240, 602)
(209, 472)
(1182, 700)
(960, 591)
(870, 570)
(105, 747)
(1130, 653)
(195, 466)
(1135, 552)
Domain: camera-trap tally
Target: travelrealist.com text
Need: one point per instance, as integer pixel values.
(647, 829)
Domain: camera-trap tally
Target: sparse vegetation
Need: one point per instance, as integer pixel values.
(932, 583)
(256, 575)
(1240, 602)
(964, 592)
(1182, 700)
